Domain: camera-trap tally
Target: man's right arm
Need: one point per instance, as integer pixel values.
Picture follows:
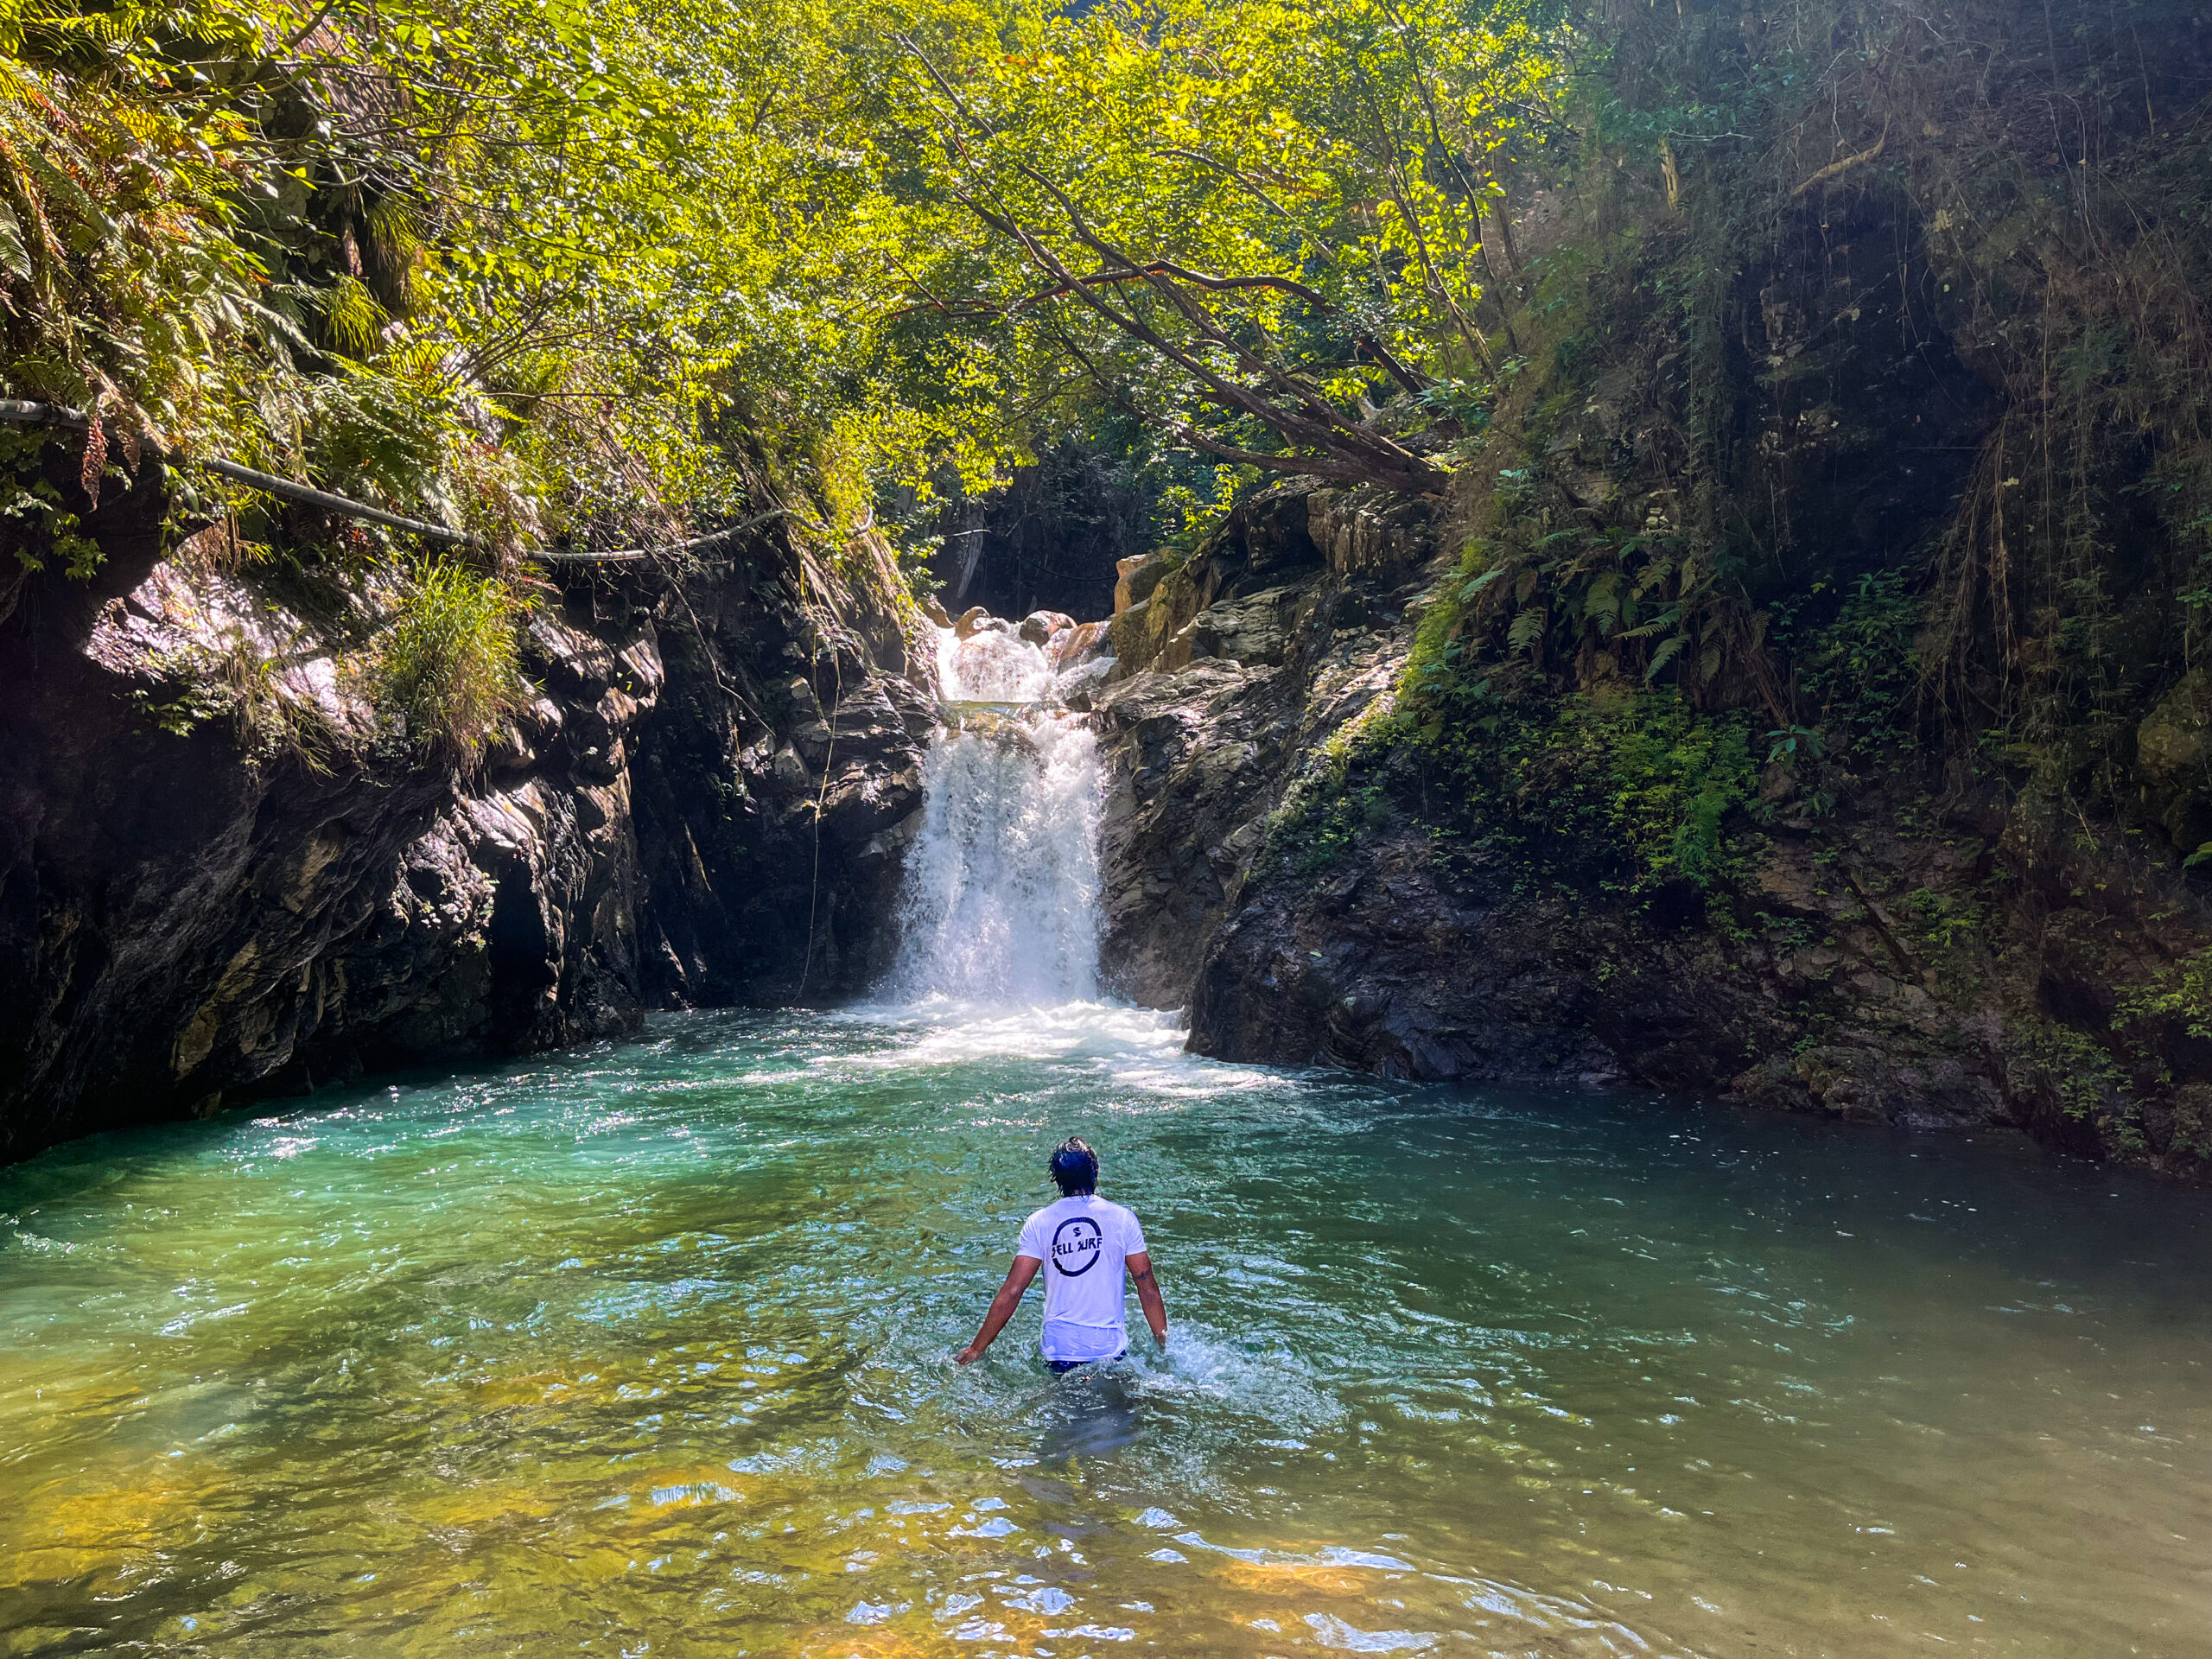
(1003, 1306)
(1155, 1311)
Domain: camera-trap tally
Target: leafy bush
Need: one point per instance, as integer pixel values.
(444, 672)
(1862, 670)
(35, 515)
(2182, 996)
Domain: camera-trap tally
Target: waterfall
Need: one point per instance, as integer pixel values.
(1001, 904)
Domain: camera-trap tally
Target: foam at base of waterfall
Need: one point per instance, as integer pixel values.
(950, 1028)
(1139, 1053)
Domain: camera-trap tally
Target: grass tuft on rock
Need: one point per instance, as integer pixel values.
(445, 672)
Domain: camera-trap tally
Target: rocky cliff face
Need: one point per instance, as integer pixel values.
(704, 802)
(708, 799)
(1959, 967)
(1231, 672)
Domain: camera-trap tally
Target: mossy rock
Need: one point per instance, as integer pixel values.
(2173, 759)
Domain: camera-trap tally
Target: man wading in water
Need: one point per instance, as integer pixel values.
(1087, 1241)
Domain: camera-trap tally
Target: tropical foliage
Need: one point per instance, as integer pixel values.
(444, 671)
(513, 263)
(1243, 222)
(1822, 241)
(541, 269)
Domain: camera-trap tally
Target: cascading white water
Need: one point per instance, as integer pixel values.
(1002, 897)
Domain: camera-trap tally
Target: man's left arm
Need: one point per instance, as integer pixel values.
(1155, 1311)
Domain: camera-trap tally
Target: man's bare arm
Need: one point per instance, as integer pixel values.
(1155, 1311)
(1003, 1306)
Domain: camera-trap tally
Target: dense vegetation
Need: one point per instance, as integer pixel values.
(564, 275)
(1871, 404)
(513, 263)
(1822, 383)
(1850, 487)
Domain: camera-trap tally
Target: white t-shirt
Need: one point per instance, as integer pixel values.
(1083, 1242)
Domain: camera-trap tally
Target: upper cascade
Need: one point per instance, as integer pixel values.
(985, 658)
(991, 666)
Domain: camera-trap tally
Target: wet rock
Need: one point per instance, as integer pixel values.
(1186, 776)
(1038, 626)
(1861, 1083)
(1071, 647)
(975, 619)
(933, 608)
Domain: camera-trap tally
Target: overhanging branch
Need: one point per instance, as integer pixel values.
(24, 412)
(1285, 402)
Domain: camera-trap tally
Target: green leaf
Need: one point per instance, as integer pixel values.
(1470, 589)
(1665, 655)
(14, 255)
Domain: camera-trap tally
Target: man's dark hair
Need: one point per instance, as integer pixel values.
(1075, 1166)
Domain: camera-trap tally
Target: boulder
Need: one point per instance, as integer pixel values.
(2173, 759)
(1077, 643)
(933, 608)
(1150, 632)
(1038, 626)
(1139, 576)
(975, 619)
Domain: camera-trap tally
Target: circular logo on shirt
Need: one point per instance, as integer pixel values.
(1077, 1246)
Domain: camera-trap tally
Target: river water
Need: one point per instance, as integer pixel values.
(645, 1350)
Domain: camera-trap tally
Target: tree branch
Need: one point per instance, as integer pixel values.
(1837, 169)
(1355, 452)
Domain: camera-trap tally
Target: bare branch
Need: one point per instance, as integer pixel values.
(1837, 169)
